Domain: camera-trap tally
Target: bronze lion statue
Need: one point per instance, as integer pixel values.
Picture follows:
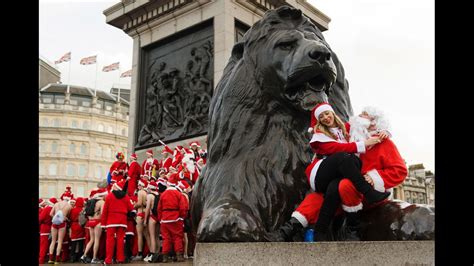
(257, 148)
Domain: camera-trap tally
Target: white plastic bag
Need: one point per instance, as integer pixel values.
(58, 218)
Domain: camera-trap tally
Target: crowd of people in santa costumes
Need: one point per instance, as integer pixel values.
(142, 213)
(380, 164)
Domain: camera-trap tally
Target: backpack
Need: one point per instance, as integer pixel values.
(58, 218)
(89, 210)
(109, 178)
(82, 218)
(154, 209)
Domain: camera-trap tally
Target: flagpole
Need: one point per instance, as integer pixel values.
(95, 87)
(119, 86)
(69, 76)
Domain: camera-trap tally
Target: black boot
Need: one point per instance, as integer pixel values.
(289, 229)
(321, 234)
(373, 196)
(352, 226)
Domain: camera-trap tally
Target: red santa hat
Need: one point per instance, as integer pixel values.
(101, 192)
(93, 192)
(162, 170)
(173, 179)
(162, 181)
(195, 143)
(167, 149)
(133, 156)
(52, 200)
(119, 185)
(41, 202)
(119, 156)
(143, 183)
(72, 201)
(149, 152)
(315, 112)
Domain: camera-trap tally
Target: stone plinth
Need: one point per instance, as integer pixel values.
(327, 253)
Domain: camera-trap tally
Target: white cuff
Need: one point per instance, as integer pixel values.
(360, 146)
(298, 216)
(352, 208)
(379, 184)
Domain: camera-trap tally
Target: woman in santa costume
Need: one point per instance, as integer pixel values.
(393, 172)
(117, 208)
(149, 164)
(133, 175)
(118, 169)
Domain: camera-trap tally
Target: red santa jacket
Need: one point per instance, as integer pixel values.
(45, 220)
(325, 146)
(114, 213)
(117, 170)
(384, 164)
(147, 167)
(77, 231)
(173, 206)
(167, 163)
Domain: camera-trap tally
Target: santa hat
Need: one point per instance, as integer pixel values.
(152, 185)
(143, 183)
(41, 202)
(52, 200)
(133, 156)
(68, 188)
(183, 185)
(101, 192)
(162, 170)
(173, 179)
(195, 143)
(119, 185)
(167, 149)
(72, 201)
(93, 192)
(149, 152)
(200, 160)
(315, 112)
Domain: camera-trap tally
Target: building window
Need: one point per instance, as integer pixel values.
(57, 122)
(44, 122)
(51, 191)
(73, 102)
(54, 147)
(98, 172)
(110, 130)
(53, 169)
(72, 148)
(83, 149)
(100, 128)
(85, 125)
(80, 191)
(71, 170)
(86, 103)
(82, 170)
(42, 169)
(47, 100)
(108, 153)
(74, 123)
(42, 147)
(98, 151)
(124, 133)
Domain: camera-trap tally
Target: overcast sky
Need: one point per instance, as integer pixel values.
(386, 48)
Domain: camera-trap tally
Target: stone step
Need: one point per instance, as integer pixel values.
(323, 253)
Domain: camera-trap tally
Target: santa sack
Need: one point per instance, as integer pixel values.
(58, 218)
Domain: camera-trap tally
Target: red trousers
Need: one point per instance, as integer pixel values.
(112, 242)
(173, 234)
(44, 248)
(308, 211)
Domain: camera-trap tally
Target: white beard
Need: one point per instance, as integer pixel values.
(359, 127)
(149, 160)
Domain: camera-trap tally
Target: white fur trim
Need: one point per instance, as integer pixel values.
(298, 216)
(310, 130)
(96, 195)
(312, 176)
(322, 108)
(171, 221)
(360, 146)
(44, 234)
(352, 208)
(76, 239)
(130, 233)
(115, 225)
(379, 184)
(321, 138)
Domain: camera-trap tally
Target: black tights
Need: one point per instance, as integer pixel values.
(80, 244)
(128, 246)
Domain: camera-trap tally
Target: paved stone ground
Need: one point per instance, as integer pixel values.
(186, 263)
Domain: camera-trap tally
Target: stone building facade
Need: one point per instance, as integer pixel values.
(418, 187)
(79, 133)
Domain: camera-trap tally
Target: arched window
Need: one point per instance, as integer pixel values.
(53, 169)
(74, 124)
(82, 170)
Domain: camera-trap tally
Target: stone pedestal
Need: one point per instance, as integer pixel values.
(326, 253)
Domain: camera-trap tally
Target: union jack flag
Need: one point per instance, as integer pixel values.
(111, 67)
(65, 58)
(89, 60)
(126, 74)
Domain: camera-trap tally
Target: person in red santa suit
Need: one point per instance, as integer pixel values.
(149, 164)
(195, 146)
(172, 210)
(309, 210)
(45, 228)
(118, 169)
(167, 158)
(78, 233)
(133, 175)
(117, 208)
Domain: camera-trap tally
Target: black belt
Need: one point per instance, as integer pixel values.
(320, 156)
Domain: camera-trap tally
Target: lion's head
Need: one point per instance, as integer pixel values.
(257, 150)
